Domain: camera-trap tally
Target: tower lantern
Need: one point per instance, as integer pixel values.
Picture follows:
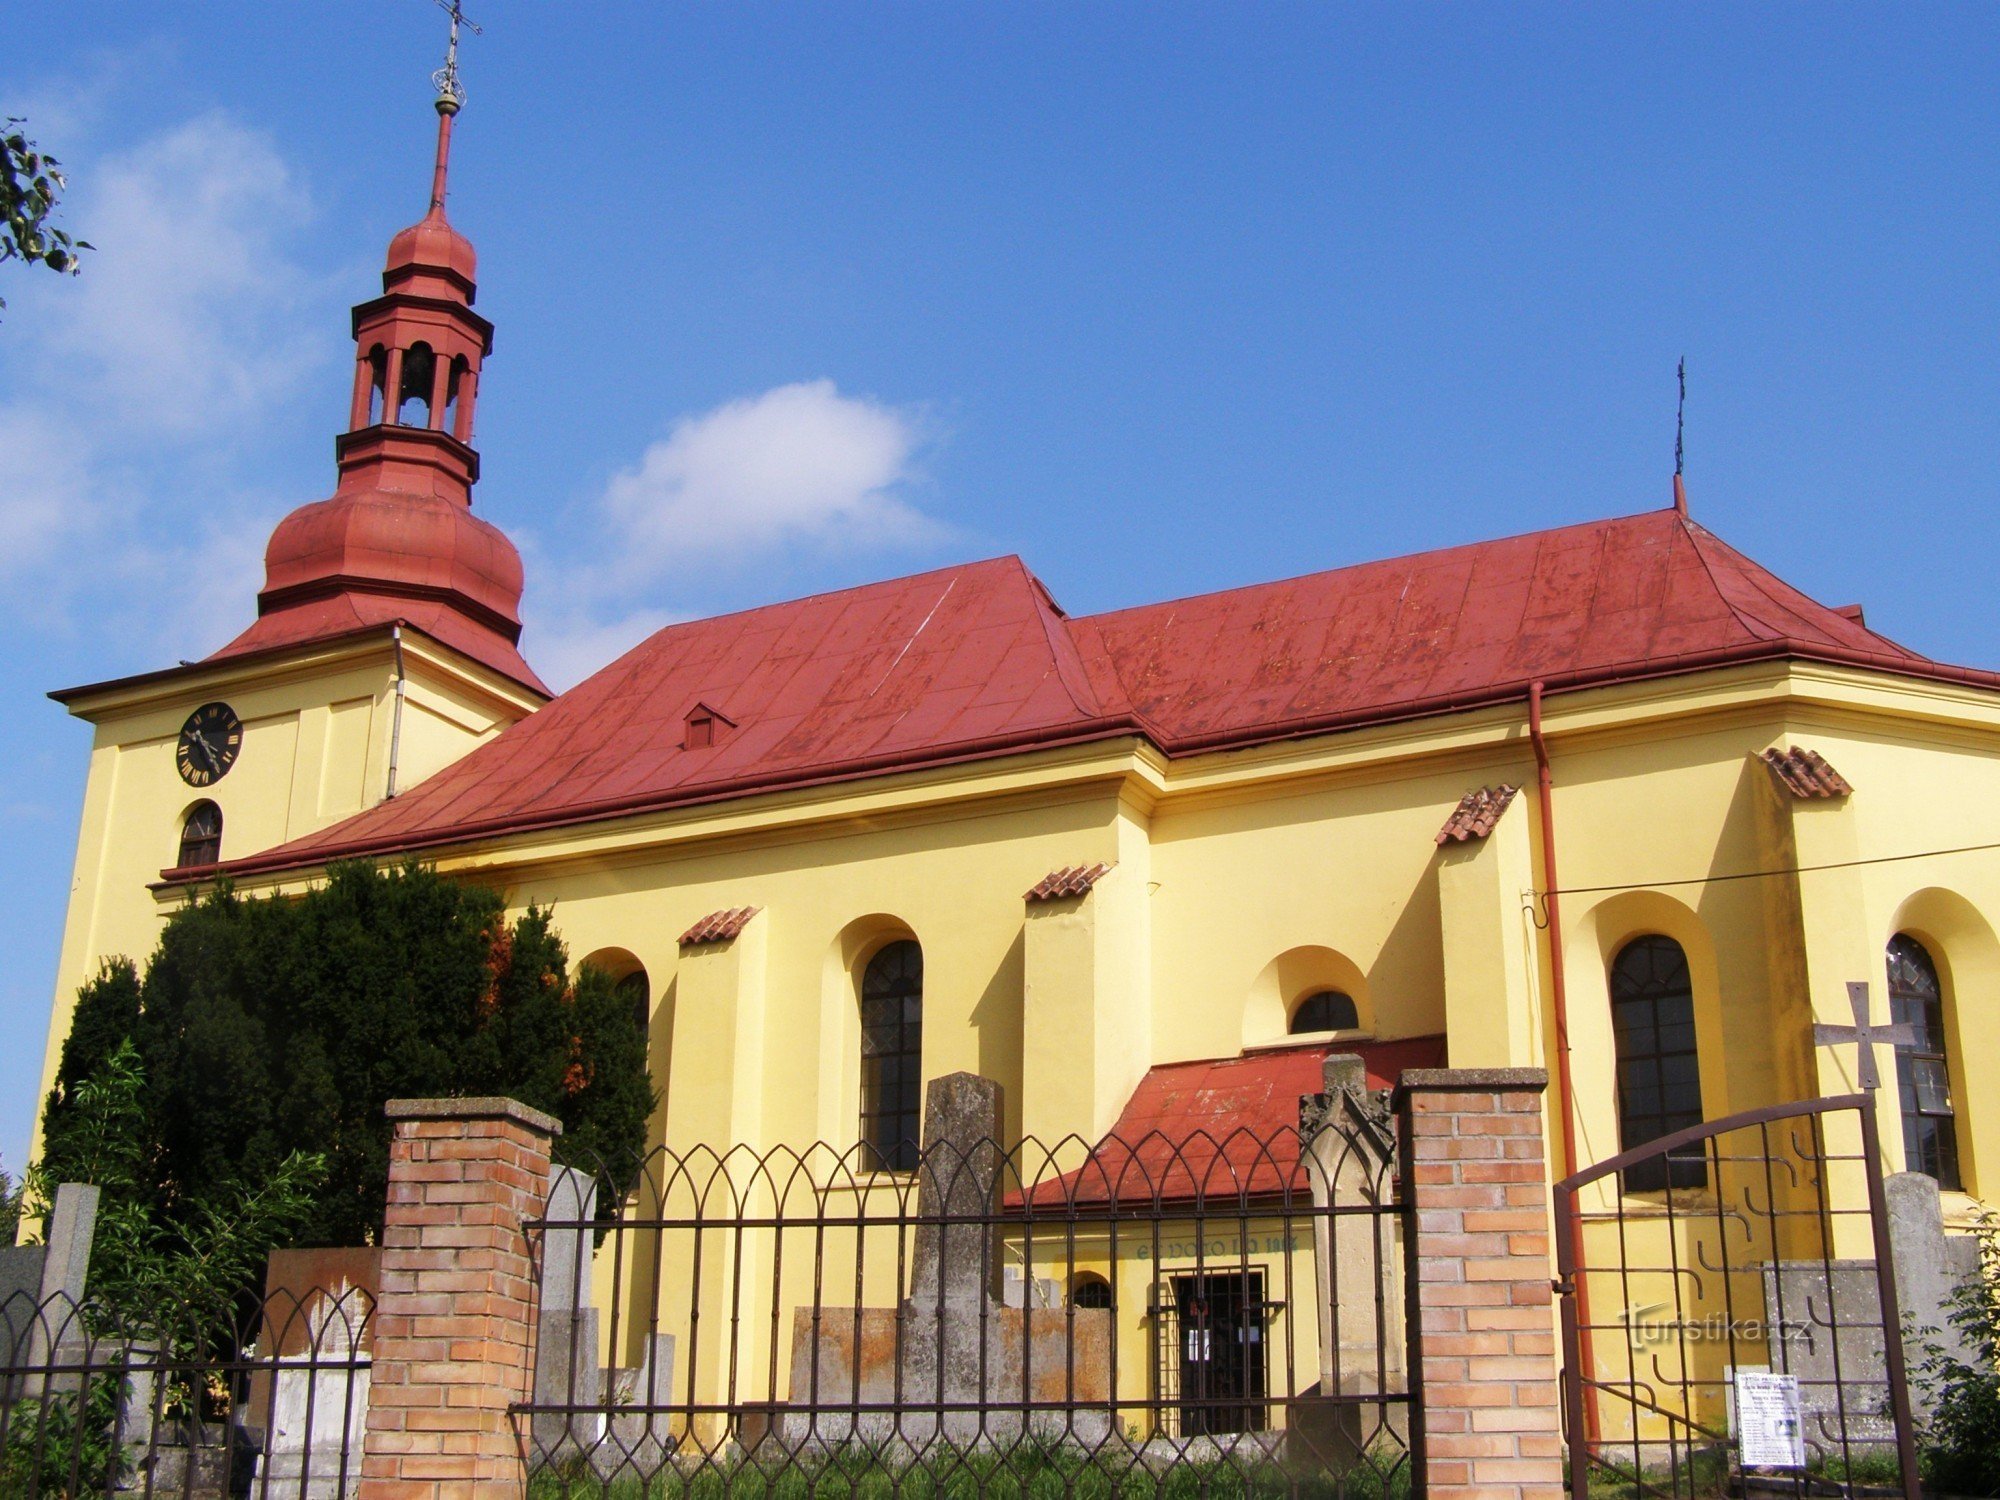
(418, 348)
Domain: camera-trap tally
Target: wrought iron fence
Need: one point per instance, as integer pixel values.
(167, 1400)
(1002, 1317)
(1730, 1323)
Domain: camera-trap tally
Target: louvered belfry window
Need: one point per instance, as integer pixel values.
(892, 1047)
(1923, 1069)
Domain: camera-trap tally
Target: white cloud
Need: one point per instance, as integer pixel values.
(766, 479)
(800, 463)
(48, 493)
(194, 324)
(191, 592)
(186, 317)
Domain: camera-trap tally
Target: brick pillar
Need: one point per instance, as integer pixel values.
(1487, 1421)
(454, 1322)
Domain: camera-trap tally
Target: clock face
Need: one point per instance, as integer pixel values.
(209, 743)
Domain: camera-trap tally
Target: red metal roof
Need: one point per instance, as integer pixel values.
(334, 616)
(970, 657)
(1640, 595)
(977, 660)
(1220, 1128)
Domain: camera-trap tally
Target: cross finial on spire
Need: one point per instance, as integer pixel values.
(446, 77)
(451, 95)
(1680, 431)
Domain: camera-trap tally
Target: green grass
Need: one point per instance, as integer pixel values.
(1029, 1471)
(1705, 1475)
(1701, 1476)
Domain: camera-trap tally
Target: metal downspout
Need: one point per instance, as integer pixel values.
(396, 719)
(1565, 1087)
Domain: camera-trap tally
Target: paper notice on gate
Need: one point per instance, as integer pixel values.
(1197, 1344)
(1771, 1433)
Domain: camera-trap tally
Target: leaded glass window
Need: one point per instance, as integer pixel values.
(1923, 1072)
(201, 836)
(892, 1047)
(1659, 1069)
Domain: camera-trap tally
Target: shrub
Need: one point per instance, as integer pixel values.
(1960, 1446)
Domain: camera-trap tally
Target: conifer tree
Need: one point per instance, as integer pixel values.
(265, 1027)
(106, 1017)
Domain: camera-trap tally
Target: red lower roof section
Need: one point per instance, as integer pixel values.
(1218, 1130)
(337, 615)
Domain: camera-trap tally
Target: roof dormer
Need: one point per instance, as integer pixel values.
(704, 727)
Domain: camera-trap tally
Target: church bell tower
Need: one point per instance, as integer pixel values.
(385, 644)
(398, 540)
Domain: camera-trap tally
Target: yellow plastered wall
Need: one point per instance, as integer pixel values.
(1225, 866)
(318, 726)
(1921, 787)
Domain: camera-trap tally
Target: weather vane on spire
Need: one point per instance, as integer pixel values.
(446, 77)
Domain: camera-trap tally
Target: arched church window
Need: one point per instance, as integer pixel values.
(1325, 1010)
(892, 1046)
(1923, 1070)
(1659, 1069)
(201, 836)
(1088, 1289)
(413, 400)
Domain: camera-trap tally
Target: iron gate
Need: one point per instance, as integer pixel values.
(1694, 1269)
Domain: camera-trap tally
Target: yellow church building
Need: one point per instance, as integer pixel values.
(1609, 799)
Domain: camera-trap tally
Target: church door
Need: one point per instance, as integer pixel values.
(1221, 1352)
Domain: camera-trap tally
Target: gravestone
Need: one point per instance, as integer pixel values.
(952, 1309)
(1931, 1266)
(20, 1298)
(567, 1372)
(955, 1354)
(319, 1400)
(56, 1334)
(1347, 1146)
(644, 1433)
(1825, 1323)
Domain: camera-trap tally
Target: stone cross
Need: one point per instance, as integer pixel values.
(1864, 1034)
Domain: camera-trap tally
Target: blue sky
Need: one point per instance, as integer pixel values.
(1164, 297)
